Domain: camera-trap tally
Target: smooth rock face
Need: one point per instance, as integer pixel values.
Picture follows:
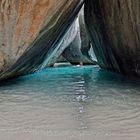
(77, 51)
(86, 47)
(73, 53)
(85, 42)
(31, 33)
(114, 29)
(65, 42)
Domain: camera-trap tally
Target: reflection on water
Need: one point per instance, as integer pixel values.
(70, 104)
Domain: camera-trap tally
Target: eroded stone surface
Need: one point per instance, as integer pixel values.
(77, 51)
(73, 53)
(86, 46)
(31, 31)
(65, 42)
(114, 29)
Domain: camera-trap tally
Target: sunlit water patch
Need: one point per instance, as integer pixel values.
(71, 103)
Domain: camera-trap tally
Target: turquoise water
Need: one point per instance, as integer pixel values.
(70, 103)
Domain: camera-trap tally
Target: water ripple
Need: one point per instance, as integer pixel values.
(82, 101)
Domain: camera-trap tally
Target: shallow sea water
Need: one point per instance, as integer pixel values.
(70, 103)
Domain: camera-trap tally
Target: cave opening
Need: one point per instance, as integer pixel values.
(69, 69)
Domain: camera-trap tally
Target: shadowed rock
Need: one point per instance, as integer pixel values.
(73, 53)
(114, 29)
(69, 36)
(86, 47)
(78, 50)
(31, 33)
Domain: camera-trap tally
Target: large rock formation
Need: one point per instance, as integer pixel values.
(78, 51)
(31, 33)
(86, 46)
(114, 29)
(73, 53)
(66, 40)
